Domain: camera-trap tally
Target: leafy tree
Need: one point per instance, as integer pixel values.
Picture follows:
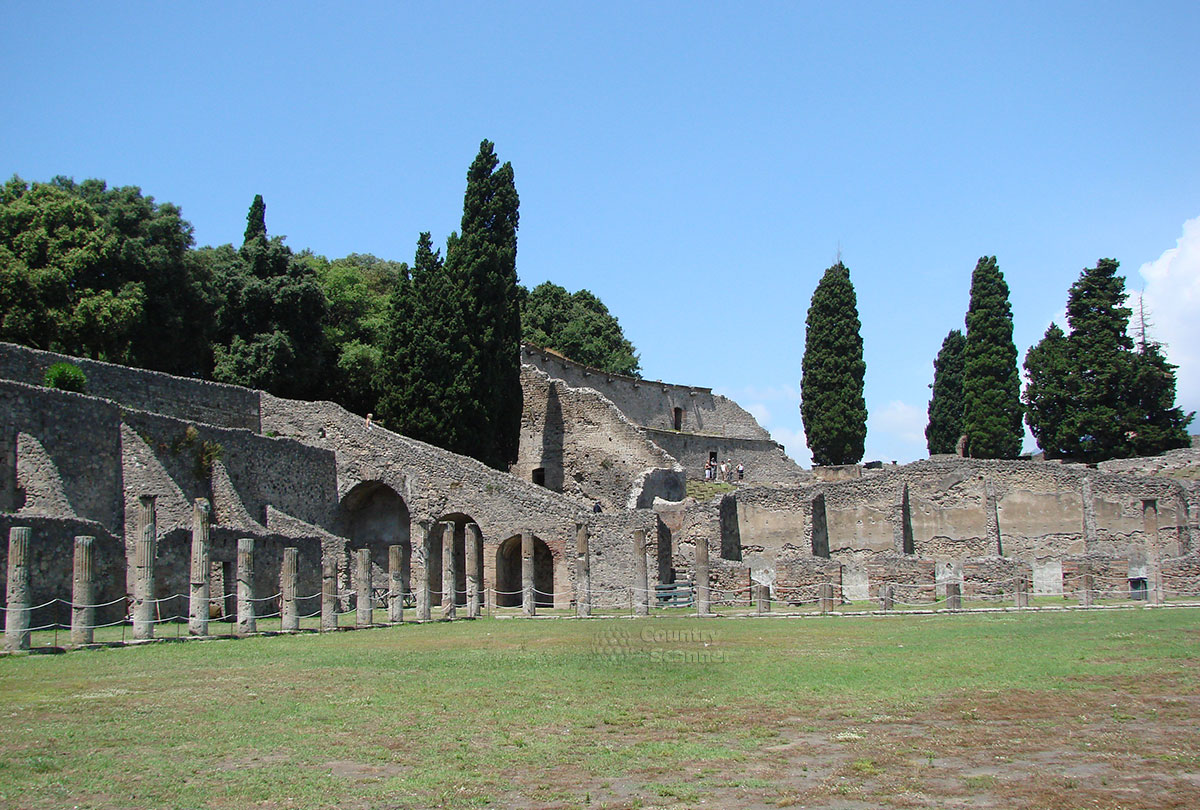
(991, 389)
(57, 290)
(270, 318)
(579, 326)
(482, 258)
(1048, 399)
(358, 289)
(1155, 424)
(152, 248)
(831, 386)
(428, 368)
(946, 405)
(256, 220)
(1091, 397)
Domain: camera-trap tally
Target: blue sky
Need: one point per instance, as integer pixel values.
(697, 166)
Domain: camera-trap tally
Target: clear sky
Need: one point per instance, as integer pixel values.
(696, 165)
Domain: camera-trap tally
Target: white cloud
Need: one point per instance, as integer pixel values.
(794, 444)
(1172, 299)
(760, 412)
(902, 421)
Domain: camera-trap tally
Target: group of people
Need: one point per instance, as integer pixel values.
(724, 471)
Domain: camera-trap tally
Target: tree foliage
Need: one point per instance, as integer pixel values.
(427, 360)
(270, 316)
(991, 388)
(482, 259)
(1048, 399)
(579, 326)
(831, 386)
(1091, 396)
(946, 405)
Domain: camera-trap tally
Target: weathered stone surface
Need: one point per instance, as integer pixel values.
(83, 592)
(16, 616)
(247, 618)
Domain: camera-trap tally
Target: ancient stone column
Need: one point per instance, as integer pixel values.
(887, 598)
(825, 596)
(364, 603)
(144, 551)
(953, 596)
(425, 587)
(762, 598)
(472, 545)
(703, 594)
(83, 591)
(329, 619)
(246, 621)
(16, 619)
(641, 580)
(528, 598)
(1085, 587)
(289, 616)
(583, 572)
(198, 596)
(1022, 591)
(395, 583)
(1089, 516)
(449, 572)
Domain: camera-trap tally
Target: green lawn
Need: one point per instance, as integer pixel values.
(1011, 710)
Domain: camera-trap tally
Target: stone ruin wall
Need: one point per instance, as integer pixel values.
(709, 422)
(184, 398)
(584, 446)
(979, 523)
(73, 460)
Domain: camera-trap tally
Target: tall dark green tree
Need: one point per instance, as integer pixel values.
(991, 388)
(256, 220)
(579, 326)
(1049, 402)
(1100, 352)
(482, 258)
(1155, 424)
(831, 386)
(1091, 396)
(946, 405)
(270, 317)
(429, 376)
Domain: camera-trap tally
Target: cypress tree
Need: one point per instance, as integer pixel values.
(482, 258)
(1049, 403)
(831, 386)
(946, 405)
(256, 220)
(428, 374)
(991, 389)
(1122, 400)
(1101, 364)
(1155, 423)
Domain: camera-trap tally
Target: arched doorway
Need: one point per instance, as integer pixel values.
(460, 522)
(508, 573)
(374, 516)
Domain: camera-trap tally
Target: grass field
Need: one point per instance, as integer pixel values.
(1037, 710)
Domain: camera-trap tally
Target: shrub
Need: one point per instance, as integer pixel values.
(66, 377)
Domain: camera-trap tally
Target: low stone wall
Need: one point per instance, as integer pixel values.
(184, 398)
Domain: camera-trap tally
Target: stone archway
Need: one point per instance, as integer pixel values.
(373, 515)
(508, 573)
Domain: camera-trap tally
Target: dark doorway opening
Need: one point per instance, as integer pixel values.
(539, 476)
(679, 418)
